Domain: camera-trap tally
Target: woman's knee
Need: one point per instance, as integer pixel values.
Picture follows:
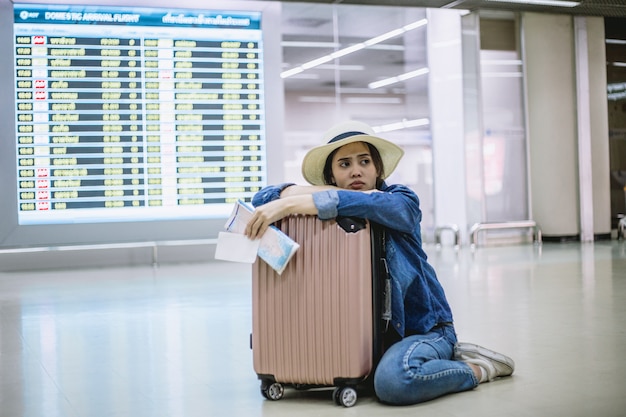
(391, 381)
(386, 386)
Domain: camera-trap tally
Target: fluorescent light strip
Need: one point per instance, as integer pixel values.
(555, 3)
(404, 124)
(291, 72)
(616, 41)
(402, 77)
(348, 50)
(353, 48)
(384, 37)
(318, 61)
(618, 64)
(617, 96)
(333, 67)
(613, 87)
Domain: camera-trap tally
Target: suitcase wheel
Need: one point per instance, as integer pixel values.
(345, 396)
(272, 390)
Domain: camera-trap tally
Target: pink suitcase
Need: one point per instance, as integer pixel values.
(314, 325)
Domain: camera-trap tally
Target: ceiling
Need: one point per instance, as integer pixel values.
(308, 33)
(314, 28)
(611, 8)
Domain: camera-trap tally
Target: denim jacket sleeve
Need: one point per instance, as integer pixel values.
(395, 207)
(269, 193)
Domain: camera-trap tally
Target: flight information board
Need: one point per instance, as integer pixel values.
(130, 114)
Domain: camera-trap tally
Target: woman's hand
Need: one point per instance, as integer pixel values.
(275, 210)
(264, 216)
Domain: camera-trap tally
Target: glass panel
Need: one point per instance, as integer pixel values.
(388, 42)
(504, 145)
(472, 108)
(495, 136)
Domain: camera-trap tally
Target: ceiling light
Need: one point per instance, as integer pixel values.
(316, 62)
(616, 91)
(556, 3)
(613, 87)
(385, 36)
(297, 71)
(616, 41)
(353, 48)
(348, 50)
(616, 96)
(291, 72)
(398, 78)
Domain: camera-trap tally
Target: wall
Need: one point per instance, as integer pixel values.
(551, 84)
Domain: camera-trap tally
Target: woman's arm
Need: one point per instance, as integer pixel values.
(305, 189)
(274, 192)
(277, 202)
(275, 210)
(396, 207)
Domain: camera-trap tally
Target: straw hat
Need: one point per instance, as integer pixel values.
(343, 134)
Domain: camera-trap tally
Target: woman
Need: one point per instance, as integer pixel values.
(347, 176)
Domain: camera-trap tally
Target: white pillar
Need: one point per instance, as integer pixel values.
(550, 83)
(585, 192)
(446, 116)
(565, 70)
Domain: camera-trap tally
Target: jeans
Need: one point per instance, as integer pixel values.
(421, 367)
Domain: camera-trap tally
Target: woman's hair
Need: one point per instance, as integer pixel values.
(378, 164)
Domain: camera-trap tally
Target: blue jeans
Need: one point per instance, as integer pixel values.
(421, 367)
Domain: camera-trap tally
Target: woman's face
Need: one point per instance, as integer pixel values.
(353, 167)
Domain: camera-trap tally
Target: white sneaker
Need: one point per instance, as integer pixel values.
(496, 364)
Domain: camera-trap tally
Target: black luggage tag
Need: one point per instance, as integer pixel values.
(351, 224)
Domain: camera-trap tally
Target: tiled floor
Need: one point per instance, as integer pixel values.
(174, 340)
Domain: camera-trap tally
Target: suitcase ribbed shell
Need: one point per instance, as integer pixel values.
(313, 323)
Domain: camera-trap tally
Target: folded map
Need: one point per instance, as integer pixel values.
(275, 248)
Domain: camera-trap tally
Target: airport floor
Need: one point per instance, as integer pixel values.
(173, 340)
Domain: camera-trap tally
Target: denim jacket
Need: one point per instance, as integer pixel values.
(418, 299)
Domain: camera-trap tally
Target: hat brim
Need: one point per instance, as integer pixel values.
(314, 161)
